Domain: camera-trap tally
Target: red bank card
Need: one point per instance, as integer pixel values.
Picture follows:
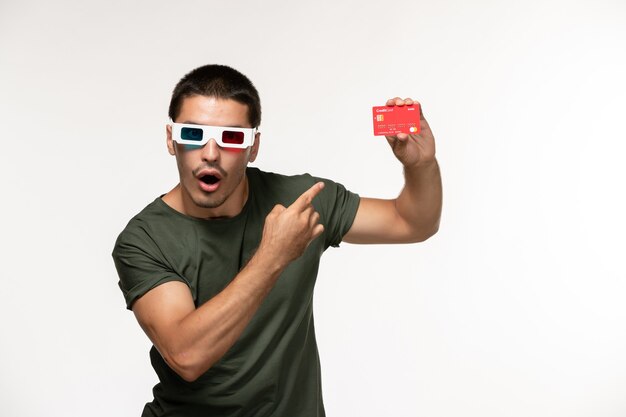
(391, 120)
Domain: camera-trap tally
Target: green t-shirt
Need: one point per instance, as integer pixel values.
(273, 370)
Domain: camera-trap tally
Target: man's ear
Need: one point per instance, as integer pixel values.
(255, 148)
(171, 148)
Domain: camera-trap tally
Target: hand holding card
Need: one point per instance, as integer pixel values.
(391, 120)
(406, 130)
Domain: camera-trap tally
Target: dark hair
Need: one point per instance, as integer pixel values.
(219, 81)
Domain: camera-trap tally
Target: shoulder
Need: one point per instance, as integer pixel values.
(336, 204)
(153, 224)
(292, 186)
(280, 188)
(141, 222)
(298, 181)
(276, 179)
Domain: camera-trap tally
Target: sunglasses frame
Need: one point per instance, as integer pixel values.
(213, 132)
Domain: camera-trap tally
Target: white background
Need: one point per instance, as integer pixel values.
(515, 308)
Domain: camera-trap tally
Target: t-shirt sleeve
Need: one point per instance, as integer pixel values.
(140, 264)
(338, 209)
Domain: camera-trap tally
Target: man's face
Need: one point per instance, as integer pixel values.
(212, 179)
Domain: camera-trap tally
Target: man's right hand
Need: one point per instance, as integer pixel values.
(289, 231)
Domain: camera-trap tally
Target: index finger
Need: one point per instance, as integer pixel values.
(307, 197)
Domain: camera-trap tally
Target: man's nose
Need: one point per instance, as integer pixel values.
(211, 151)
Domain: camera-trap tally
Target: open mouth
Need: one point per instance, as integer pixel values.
(209, 179)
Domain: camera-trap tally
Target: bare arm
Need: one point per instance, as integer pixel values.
(414, 215)
(191, 340)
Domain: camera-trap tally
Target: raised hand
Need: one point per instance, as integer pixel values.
(412, 150)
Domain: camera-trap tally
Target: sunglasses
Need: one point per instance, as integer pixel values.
(226, 137)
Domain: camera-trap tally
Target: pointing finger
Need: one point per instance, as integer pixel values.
(307, 197)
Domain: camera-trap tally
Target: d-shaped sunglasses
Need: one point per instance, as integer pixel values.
(226, 137)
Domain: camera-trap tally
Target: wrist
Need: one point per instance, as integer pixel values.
(268, 260)
(421, 166)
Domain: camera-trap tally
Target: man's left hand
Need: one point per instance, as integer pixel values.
(412, 150)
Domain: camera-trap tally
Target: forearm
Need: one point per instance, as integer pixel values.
(206, 334)
(420, 201)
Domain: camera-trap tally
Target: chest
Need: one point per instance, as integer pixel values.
(214, 256)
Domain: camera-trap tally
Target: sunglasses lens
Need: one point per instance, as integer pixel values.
(191, 133)
(229, 136)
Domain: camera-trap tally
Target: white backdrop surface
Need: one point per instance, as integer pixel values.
(515, 308)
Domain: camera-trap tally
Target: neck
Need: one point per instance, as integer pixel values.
(179, 200)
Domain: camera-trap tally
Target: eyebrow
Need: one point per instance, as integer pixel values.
(189, 122)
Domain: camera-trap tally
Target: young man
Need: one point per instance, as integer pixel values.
(220, 271)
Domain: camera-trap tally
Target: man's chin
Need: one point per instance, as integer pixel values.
(208, 203)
